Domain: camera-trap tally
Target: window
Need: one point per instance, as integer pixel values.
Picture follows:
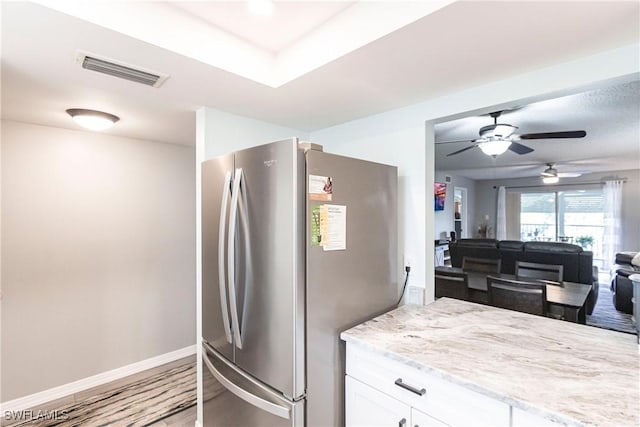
(575, 216)
(538, 216)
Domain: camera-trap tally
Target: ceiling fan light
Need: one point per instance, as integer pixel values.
(92, 119)
(503, 131)
(550, 179)
(497, 130)
(494, 148)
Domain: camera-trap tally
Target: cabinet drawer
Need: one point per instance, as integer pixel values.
(447, 402)
(367, 407)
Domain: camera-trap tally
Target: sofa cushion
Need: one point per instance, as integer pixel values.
(627, 270)
(635, 261)
(625, 257)
(512, 245)
(556, 247)
(475, 248)
(479, 243)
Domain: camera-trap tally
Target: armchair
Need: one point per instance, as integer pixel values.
(621, 285)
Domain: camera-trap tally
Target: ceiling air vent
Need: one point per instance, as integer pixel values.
(121, 70)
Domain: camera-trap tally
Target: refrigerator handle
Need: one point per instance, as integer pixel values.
(221, 233)
(252, 399)
(231, 258)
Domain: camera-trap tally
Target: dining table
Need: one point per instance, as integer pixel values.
(569, 297)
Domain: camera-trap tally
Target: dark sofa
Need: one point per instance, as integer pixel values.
(577, 263)
(621, 284)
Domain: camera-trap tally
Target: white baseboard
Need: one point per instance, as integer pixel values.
(45, 396)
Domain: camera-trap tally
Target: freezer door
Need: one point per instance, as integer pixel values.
(233, 399)
(346, 287)
(216, 195)
(267, 290)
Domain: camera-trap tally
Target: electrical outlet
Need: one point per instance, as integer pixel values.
(407, 261)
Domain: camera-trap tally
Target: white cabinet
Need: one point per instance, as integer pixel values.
(436, 401)
(420, 419)
(368, 407)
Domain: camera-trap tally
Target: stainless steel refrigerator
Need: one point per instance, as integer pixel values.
(297, 246)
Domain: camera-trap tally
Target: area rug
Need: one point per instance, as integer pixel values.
(606, 316)
(134, 405)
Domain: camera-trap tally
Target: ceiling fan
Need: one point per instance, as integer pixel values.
(551, 176)
(497, 138)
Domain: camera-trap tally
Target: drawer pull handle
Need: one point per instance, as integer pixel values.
(402, 423)
(419, 392)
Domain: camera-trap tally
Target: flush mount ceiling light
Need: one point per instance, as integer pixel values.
(92, 119)
(261, 7)
(494, 147)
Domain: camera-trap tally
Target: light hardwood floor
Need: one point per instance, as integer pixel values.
(184, 418)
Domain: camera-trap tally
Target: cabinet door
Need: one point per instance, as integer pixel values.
(420, 419)
(367, 407)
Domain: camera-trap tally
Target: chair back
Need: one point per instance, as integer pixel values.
(531, 270)
(525, 297)
(452, 284)
(481, 265)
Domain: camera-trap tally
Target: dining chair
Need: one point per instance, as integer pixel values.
(452, 284)
(531, 270)
(481, 265)
(526, 297)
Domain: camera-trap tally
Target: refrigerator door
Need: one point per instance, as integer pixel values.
(267, 290)
(233, 399)
(347, 287)
(216, 198)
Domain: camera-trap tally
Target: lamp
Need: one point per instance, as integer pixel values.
(494, 147)
(92, 119)
(550, 179)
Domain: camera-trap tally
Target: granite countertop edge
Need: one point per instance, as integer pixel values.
(520, 404)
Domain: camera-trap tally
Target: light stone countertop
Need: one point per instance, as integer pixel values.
(566, 372)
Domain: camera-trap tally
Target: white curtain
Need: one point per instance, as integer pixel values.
(501, 217)
(612, 193)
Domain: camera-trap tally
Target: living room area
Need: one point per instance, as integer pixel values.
(563, 190)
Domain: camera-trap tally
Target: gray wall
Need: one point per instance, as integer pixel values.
(486, 200)
(444, 220)
(98, 238)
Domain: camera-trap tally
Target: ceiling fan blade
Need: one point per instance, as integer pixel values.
(569, 174)
(519, 148)
(555, 135)
(453, 142)
(464, 149)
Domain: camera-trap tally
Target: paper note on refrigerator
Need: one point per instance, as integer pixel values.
(320, 188)
(333, 227)
(316, 236)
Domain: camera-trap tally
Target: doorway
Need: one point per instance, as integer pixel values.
(460, 217)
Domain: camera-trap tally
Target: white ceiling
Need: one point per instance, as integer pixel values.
(291, 20)
(609, 115)
(312, 65)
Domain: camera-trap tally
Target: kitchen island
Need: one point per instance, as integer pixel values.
(453, 357)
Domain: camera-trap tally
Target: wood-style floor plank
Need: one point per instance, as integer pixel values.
(157, 397)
